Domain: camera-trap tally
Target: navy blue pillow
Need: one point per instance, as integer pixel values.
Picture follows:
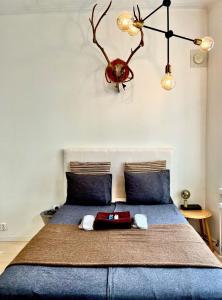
(89, 189)
(148, 188)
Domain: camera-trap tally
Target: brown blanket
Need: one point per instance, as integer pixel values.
(160, 245)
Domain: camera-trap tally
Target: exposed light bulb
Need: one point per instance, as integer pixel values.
(207, 43)
(168, 82)
(133, 30)
(124, 21)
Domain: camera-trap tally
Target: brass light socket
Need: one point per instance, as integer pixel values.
(168, 69)
(138, 24)
(198, 42)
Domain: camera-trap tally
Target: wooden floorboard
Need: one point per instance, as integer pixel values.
(8, 251)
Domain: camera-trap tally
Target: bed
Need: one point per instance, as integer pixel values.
(48, 282)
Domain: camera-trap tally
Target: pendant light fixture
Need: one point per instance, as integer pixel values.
(133, 24)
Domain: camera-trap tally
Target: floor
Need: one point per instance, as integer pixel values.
(8, 250)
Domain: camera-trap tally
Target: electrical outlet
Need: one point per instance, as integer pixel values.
(3, 227)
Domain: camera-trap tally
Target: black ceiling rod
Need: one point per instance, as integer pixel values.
(168, 38)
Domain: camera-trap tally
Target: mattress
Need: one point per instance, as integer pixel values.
(38, 282)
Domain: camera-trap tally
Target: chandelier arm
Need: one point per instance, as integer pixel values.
(168, 51)
(153, 12)
(168, 39)
(168, 19)
(184, 38)
(155, 29)
(173, 34)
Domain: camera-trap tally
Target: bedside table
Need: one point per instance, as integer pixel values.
(203, 216)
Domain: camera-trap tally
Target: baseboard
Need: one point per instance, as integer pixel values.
(15, 238)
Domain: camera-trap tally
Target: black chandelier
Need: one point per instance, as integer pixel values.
(133, 24)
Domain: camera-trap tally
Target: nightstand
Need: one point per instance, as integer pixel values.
(203, 216)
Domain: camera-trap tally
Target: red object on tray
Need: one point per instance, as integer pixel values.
(116, 220)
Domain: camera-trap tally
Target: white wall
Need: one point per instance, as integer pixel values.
(214, 113)
(53, 95)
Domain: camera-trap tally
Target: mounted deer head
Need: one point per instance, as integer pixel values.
(118, 70)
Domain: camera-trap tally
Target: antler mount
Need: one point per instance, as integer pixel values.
(118, 70)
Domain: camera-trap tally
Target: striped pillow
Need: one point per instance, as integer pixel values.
(92, 168)
(150, 166)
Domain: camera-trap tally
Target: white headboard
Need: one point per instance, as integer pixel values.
(117, 157)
